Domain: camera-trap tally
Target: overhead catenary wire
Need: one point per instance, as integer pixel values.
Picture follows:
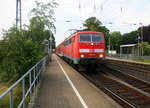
(118, 10)
(100, 6)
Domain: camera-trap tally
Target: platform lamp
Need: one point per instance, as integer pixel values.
(50, 46)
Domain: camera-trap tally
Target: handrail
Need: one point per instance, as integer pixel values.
(34, 80)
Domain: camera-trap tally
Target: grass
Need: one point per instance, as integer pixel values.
(145, 61)
(4, 103)
(17, 96)
(3, 88)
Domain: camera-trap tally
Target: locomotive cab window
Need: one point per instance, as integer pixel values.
(90, 38)
(85, 38)
(96, 38)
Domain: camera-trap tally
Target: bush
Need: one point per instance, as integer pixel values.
(18, 55)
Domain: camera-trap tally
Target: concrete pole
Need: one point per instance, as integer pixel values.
(142, 40)
(120, 51)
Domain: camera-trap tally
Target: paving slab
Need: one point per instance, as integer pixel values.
(64, 87)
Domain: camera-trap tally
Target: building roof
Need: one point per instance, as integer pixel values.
(129, 45)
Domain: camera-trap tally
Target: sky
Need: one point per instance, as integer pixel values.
(116, 15)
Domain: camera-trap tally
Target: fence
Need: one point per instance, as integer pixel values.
(33, 77)
(128, 56)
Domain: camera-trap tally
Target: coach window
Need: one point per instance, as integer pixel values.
(65, 43)
(85, 38)
(96, 38)
(70, 41)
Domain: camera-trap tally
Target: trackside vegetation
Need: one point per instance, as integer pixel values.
(115, 39)
(22, 49)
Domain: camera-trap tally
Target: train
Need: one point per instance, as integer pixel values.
(83, 48)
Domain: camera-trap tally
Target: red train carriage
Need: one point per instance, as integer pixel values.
(86, 48)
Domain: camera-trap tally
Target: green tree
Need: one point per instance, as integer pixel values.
(44, 13)
(47, 34)
(93, 24)
(115, 40)
(130, 38)
(18, 53)
(146, 48)
(42, 18)
(36, 29)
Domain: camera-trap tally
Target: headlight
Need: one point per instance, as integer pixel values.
(82, 55)
(101, 55)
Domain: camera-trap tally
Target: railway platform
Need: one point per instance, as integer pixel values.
(64, 87)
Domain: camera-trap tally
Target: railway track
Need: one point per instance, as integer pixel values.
(128, 91)
(132, 66)
(123, 93)
(129, 79)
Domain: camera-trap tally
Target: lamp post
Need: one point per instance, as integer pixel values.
(50, 46)
(141, 31)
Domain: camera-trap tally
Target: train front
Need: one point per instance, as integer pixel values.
(91, 49)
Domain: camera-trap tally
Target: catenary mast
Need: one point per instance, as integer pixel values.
(18, 15)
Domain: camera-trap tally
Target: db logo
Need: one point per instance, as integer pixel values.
(92, 50)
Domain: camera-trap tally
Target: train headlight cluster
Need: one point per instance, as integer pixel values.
(101, 55)
(82, 55)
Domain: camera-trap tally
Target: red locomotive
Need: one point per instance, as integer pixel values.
(86, 48)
